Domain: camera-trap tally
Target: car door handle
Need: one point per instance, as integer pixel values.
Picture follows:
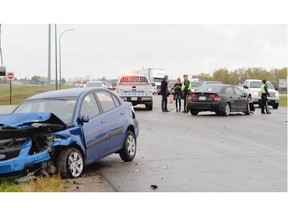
(122, 113)
(103, 122)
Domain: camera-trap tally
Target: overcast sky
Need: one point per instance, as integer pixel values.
(98, 50)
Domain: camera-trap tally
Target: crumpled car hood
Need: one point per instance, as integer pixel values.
(24, 122)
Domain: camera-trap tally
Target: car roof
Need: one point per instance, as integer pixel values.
(256, 80)
(72, 92)
(94, 82)
(218, 84)
(212, 81)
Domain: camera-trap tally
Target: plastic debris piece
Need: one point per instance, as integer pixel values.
(154, 187)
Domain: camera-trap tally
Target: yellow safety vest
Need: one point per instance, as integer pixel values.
(263, 88)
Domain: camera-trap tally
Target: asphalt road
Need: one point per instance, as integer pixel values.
(178, 152)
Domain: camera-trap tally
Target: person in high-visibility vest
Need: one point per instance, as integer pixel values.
(264, 98)
(186, 89)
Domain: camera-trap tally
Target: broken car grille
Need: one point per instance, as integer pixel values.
(10, 148)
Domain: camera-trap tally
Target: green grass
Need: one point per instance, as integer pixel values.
(39, 184)
(8, 186)
(20, 92)
(283, 101)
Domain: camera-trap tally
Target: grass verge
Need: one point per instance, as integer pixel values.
(38, 184)
(283, 101)
(21, 92)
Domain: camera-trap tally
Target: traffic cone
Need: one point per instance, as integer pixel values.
(170, 99)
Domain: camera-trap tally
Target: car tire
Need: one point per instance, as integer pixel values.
(70, 163)
(247, 110)
(275, 106)
(227, 110)
(193, 112)
(250, 99)
(149, 106)
(128, 151)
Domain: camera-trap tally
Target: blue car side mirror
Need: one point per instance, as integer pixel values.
(85, 118)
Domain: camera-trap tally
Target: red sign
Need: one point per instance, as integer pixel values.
(10, 75)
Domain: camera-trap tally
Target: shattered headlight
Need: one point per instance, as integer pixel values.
(41, 142)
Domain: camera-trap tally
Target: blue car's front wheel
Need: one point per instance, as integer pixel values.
(70, 163)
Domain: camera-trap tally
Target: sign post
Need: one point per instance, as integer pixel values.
(10, 76)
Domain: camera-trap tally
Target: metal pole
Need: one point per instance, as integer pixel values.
(49, 57)
(1, 56)
(60, 65)
(56, 75)
(10, 92)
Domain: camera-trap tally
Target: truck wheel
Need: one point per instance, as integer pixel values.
(70, 163)
(149, 106)
(128, 151)
(275, 106)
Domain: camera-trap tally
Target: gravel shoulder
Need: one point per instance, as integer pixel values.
(95, 183)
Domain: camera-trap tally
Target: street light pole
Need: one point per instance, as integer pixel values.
(60, 66)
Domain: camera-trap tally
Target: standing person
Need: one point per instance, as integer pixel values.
(186, 88)
(177, 94)
(264, 99)
(164, 93)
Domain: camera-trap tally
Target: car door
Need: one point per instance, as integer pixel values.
(96, 132)
(241, 99)
(113, 118)
(231, 98)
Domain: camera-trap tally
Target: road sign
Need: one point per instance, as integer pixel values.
(2, 71)
(10, 75)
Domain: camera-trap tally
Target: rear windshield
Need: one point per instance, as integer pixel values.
(196, 84)
(133, 79)
(210, 88)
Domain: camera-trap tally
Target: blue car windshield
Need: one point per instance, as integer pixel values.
(62, 108)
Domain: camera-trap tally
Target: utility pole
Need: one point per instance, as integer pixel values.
(56, 73)
(49, 57)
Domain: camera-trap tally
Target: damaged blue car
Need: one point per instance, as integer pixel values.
(65, 130)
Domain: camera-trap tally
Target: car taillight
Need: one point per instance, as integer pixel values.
(192, 96)
(215, 97)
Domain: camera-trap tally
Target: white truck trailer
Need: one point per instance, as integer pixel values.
(155, 75)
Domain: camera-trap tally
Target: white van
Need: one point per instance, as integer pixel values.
(136, 89)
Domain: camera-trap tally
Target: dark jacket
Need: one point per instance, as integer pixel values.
(164, 88)
(177, 88)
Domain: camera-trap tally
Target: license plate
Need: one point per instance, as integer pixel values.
(133, 98)
(202, 98)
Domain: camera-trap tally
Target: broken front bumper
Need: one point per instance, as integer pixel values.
(24, 161)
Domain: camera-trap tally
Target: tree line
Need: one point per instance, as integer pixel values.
(238, 76)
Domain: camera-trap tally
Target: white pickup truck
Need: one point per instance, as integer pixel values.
(253, 89)
(136, 89)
